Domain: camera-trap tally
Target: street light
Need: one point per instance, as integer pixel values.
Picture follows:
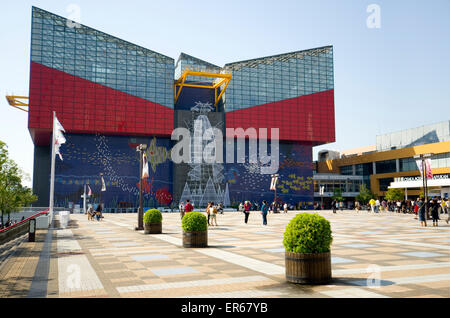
(141, 149)
(423, 157)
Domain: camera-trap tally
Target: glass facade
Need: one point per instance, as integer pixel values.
(386, 166)
(441, 160)
(187, 62)
(347, 170)
(276, 78)
(385, 183)
(408, 164)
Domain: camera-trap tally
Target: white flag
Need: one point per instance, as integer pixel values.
(58, 136)
(145, 167)
(90, 191)
(103, 185)
(273, 183)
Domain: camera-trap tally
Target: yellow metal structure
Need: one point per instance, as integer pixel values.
(223, 79)
(18, 102)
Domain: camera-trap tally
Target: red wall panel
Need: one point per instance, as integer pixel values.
(86, 107)
(304, 118)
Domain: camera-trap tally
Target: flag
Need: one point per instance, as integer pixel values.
(428, 169)
(427, 164)
(90, 191)
(103, 185)
(145, 166)
(58, 136)
(273, 183)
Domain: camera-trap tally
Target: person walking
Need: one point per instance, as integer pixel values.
(98, 212)
(435, 211)
(188, 207)
(443, 206)
(264, 211)
(377, 206)
(422, 217)
(333, 205)
(247, 206)
(181, 209)
(372, 205)
(208, 213)
(448, 210)
(285, 208)
(213, 214)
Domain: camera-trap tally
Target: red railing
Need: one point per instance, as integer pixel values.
(24, 220)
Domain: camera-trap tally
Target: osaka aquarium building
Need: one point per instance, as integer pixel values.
(111, 96)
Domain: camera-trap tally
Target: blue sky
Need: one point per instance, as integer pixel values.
(386, 79)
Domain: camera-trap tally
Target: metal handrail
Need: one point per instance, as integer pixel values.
(31, 217)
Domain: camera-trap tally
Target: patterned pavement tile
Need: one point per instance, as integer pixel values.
(411, 261)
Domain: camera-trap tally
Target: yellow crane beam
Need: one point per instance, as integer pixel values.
(181, 82)
(18, 102)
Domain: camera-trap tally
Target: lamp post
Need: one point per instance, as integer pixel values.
(141, 149)
(422, 157)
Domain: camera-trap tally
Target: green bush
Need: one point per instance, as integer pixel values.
(194, 221)
(308, 233)
(152, 216)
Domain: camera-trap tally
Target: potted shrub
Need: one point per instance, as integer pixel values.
(307, 241)
(152, 222)
(195, 230)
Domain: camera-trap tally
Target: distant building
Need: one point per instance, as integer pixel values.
(392, 163)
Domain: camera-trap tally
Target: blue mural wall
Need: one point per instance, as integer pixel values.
(86, 156)
(295, 185)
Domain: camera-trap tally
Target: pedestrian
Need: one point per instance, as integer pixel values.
(90, 213)
(264, 211)
(98, 212)
(207, 212)
(435, 212)
(181, 209)
(213, 213)
(448, 210)
(443, 206)
(247, 206)
(188, 207)
(333, 205)
(416, 206)
(372, 205)
(377, 206)
(285, 207)
(422, 218)
(357, 207)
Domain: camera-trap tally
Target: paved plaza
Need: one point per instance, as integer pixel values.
(373, 255)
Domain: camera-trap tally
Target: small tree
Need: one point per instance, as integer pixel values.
(12, 194)
(395, 195)
(365, 195)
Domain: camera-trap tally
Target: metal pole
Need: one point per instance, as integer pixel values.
(141, 209)
(84, 199)
(101, 188)
(52, 175)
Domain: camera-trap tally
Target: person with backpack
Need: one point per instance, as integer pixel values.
(333, 205)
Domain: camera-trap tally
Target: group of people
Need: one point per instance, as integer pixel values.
(94, 214)
(245, 207)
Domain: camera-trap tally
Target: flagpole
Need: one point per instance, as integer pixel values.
(84, 199)
(52, 175)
